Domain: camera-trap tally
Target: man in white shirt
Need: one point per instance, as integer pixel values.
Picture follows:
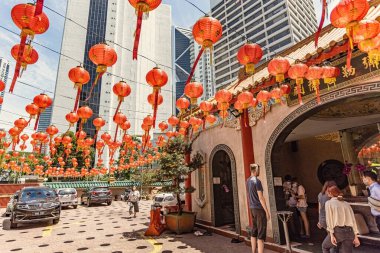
(370, 180)
(133, 198)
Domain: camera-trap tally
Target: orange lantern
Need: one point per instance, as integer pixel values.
(173, 121)
(346, 15)
(78, 76)
(98, 123)
(21, 123)
(298, 72)
(206, 107)
(102, 56)
(141, 6)
(249, 55)
(121, 90)
(211, 119)
(151, 100)
(125, 126)
(72, 118)
(278, 67)
(84, 113)
(313, 74)
(206, 32)
(119, 118)
(52, 130)
(194, 90)
(157, 78)
(329, 75)
(285, 90)
(43, 101)
(14, 133)
(276, 94)
(182, 104)
(184, 124)
(263, 97)
(31, 20)
(163, 126)
(32, 109)
(244, 100)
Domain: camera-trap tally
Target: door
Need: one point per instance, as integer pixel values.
(223, 189)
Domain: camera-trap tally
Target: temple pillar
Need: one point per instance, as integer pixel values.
(248, 155)
(349, 155)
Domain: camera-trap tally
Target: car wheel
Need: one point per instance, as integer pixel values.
(88, 203)
(55, 221)
(75, 206)
(109, 203)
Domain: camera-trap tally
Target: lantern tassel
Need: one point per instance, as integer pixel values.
(195, 65)
(18, 62)
(36, 124)
(155, 108)
(317, 92)
(299, 93)
(323, 15)
(117, 128)
(39, 6)
(77, 99)
(191, 133)
(117, 109)
(98, 76)
(137, 34)
(349, 56)
(204, 123)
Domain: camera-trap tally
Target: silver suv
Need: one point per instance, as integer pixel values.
(68, 197)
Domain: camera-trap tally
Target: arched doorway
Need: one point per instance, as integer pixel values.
(286, 128)
(224, 204)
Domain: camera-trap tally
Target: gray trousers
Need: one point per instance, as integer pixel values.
(344, 238)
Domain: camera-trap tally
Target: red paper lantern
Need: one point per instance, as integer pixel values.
(102, 56)
(52, 130)
(346, 15)
(211, 119)
(21, 123)
(24, 137)
(141, 6)
(98, 123)
(121, 90)
(285, 90)
(184, 124)
(106, 137)
(84, 113)
(206, 107)
(157, 78)
(245, 99)
(249, 55)
(119, 118)
(79, 76)
(72, 118)
(173, 121)
(278, 67)
(276, 94)
(223, 96)
(151, 99)
(206, 32)
(42, 101)
(364, 30)
(263, 97)
(163, 126)
(194, 90)
(182, 104)
(148, 120)
(330, 74)
(125, 126)
(298, 72)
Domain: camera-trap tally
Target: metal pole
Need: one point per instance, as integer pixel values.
(288, 246)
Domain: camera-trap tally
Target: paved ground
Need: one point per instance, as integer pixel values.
(105, 229)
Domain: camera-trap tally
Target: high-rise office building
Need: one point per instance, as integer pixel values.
(273, 24)
(185, 53)
(114, 22)
(4, 71)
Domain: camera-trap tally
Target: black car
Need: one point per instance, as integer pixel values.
(35, 204)
(96, 195)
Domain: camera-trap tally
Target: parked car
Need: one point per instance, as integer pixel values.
(35, 204)
(96, 195)
(164, 200)
(8, 209)
(68, 197)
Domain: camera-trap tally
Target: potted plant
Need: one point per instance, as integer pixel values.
(173, 168)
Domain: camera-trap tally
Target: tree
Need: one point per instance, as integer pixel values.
(174, 168)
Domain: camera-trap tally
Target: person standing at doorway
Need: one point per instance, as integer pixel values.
(302, 208)
(258, 208)
(370, 180)
(133, 198)
(341, 224)
(322, 199)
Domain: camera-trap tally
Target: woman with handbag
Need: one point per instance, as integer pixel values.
(341, 223)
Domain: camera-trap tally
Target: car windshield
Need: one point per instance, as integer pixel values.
(66, 191)
(158, 199)
(100, 189)
(35, 194)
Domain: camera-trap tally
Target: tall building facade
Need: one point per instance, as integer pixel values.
(4, 72)
(114, 22)
(185, 53)
(273, 24)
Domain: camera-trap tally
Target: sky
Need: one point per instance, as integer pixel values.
(42, 75)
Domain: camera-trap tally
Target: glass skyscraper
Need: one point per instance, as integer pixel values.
(4, 72)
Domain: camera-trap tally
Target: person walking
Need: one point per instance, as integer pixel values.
(133, 198)
(370, 180)
(302, 208)
(341, 223)
(258, 208)
(322, 199)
